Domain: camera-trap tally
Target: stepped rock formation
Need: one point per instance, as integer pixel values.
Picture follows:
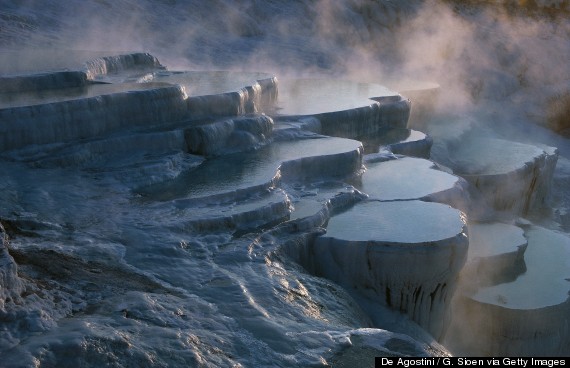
(521, 305)
(524, 172)
(411, 267)
(225, 214)
(182, 232)
(137, 136)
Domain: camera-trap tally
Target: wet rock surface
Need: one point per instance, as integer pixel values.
(524, 171)
(407, 142)
(137, 200)
(521, 306)
(372, 248)
(240, 220)
(396, 180)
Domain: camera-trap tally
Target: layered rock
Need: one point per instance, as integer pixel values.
(397, 180)
(100, 68)
(223, 93)
(42, 81)
(521, 312)
(90, 117)
(246, 172)
(410, 267)
(407, 142)
(229, 135)
(59, 111)
(363, 244)
(496, 254)
(258, 211)
(343, 108)
(518, 183)
(415, 144)
(195, 168)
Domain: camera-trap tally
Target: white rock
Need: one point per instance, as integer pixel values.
(406, 255)
(344, 108)
(513, 177)
(398, 180)
(528, 316)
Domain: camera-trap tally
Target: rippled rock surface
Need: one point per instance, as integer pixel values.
(218, 218)
(150, 212)
(10, 284)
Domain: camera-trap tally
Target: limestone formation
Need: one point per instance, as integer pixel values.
(411, 266)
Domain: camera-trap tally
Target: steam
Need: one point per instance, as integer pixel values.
(473, 51)
(507, 61)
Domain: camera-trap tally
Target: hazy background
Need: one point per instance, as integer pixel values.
(500, 63)
(512, 51)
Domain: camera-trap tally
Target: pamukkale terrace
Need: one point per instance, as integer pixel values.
(172, 209)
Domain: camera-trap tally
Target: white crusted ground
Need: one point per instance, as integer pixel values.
(105, 282)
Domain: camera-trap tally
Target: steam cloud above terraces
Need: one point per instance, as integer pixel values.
(474, 52)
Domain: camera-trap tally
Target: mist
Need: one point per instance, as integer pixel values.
(477, 52)
(492, 69)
